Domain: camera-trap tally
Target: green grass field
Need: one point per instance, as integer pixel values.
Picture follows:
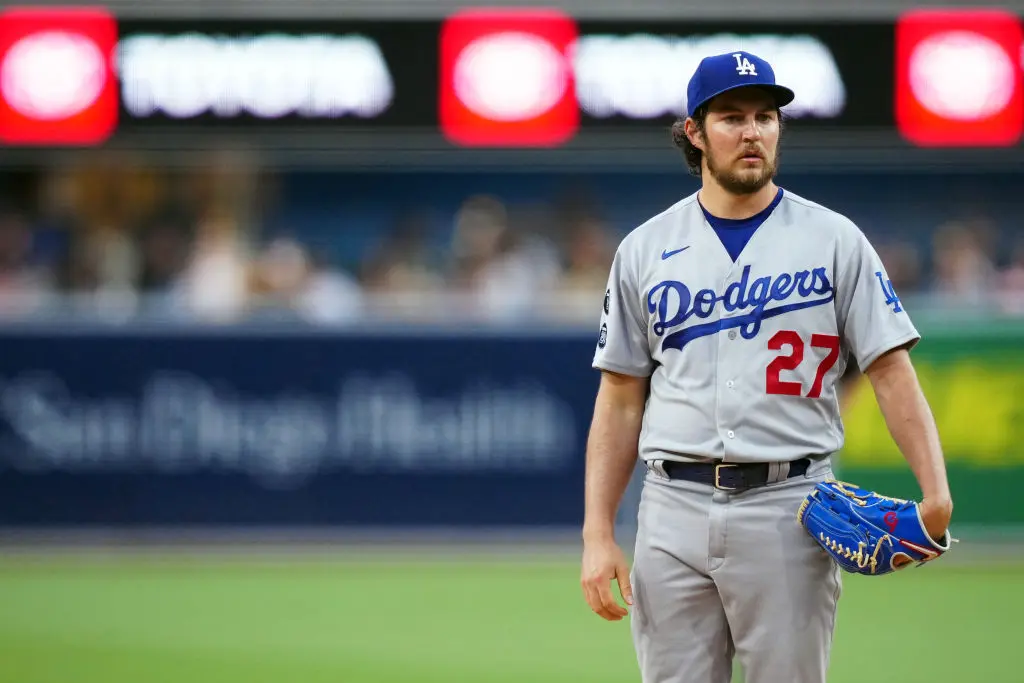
(196, 620)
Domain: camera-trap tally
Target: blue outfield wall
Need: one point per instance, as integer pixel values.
(472, 429)
(232, 428)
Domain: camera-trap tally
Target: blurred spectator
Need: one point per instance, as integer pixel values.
(903, 263)
(964, 272)
(285, 277)
(278, 273)
(163, 253)
(480, 226)
(1012, 281)
(400, 274)
(328, 295)
(503, 269)
(589, 253)
(22, 285)
(215, 280)
(114, 235)
(402, 260)
(115, 255)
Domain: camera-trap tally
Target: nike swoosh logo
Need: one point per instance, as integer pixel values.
(668, 254)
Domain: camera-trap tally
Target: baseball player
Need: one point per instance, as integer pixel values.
(727, 320)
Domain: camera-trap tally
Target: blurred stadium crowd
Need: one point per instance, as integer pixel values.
(222, 242)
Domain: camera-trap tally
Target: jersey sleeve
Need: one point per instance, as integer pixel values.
(872, 318)
(622, 343)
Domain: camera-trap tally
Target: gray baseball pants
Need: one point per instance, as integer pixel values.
(721, 574)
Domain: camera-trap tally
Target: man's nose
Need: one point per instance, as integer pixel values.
(751, 130)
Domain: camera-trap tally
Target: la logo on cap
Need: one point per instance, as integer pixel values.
(743, 65)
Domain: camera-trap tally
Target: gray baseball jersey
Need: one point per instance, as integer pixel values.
(743, 356)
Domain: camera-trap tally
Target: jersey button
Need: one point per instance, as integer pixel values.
(732, 434)
(732, 334)
(730, 384)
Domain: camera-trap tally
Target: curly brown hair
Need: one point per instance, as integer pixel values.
(691, 154)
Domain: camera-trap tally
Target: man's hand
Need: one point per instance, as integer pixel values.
(936, 513)
(611, 459)
(604, 562)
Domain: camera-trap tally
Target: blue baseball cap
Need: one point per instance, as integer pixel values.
(721, 73)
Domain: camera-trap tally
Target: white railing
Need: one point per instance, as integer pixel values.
(410, 309)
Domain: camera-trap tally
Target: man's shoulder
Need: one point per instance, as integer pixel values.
(801, 210)
(653, 226)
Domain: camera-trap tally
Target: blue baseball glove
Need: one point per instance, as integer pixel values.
(868, 533)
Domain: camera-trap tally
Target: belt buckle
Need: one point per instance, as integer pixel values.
(718, 484)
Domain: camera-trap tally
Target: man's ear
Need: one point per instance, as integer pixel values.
(693, 134)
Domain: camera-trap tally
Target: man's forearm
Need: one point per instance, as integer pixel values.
(611, 457)
(911, 425)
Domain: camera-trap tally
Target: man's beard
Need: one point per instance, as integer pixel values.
(746, 183)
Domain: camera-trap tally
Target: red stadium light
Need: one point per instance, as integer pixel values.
(507, 78)
(958, 78)
(57, 85)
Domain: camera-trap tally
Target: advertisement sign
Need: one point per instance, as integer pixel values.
(439, 429)
(265, 76)
(479, 78)
(293, 429)
(632, 75)
(184, 75)
(974, 382)
(493, 77)
(519, 78)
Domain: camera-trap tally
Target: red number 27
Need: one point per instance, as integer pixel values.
(774, 385)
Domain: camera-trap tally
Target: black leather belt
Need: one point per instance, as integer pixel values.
(729, 476)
